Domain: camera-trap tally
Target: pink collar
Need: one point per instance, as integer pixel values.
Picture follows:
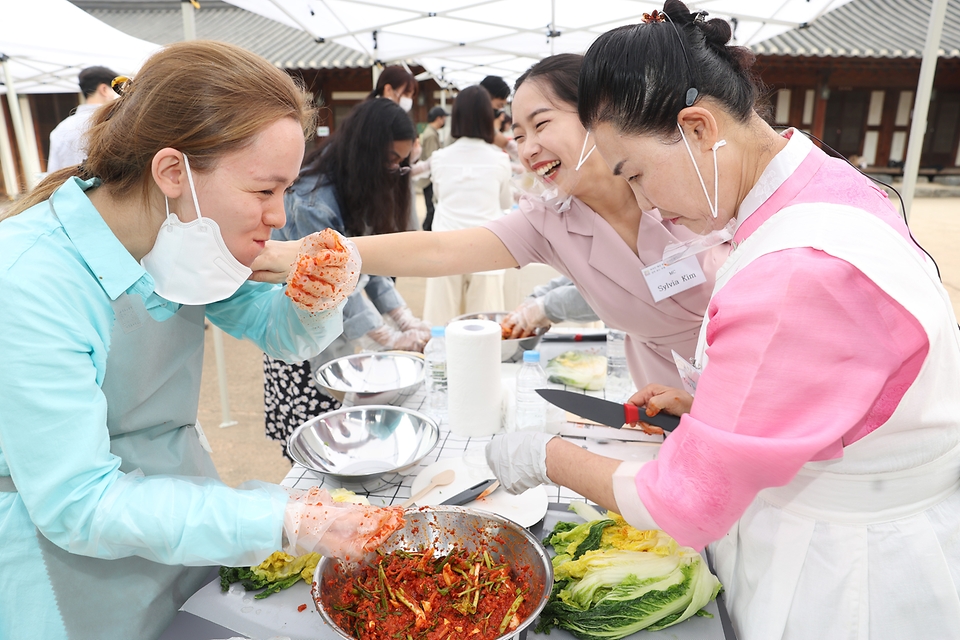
(783, 195)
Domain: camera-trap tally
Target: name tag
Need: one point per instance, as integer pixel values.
(665, 280)
(689, 374)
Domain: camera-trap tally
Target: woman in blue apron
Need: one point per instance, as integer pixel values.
(110, 509)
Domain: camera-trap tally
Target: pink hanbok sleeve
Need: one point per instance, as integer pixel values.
(805, 355)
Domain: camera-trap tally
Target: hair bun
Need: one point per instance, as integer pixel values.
(716, 32)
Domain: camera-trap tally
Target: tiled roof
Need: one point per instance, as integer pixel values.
(869, 29)
(161, 21)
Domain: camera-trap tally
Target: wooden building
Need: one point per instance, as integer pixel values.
(850, 79)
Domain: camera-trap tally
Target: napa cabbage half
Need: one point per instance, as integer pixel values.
(607, 592)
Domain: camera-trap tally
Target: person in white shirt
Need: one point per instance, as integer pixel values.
(471, 179)
(66, 140)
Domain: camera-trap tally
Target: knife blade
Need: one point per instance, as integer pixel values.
(612, 414)
(471, 494)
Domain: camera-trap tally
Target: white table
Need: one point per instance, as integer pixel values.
(263, 618)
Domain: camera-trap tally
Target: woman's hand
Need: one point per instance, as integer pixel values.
(526, 319)
(325, 273)
(657, 398)
(275, 261)
(313, 521)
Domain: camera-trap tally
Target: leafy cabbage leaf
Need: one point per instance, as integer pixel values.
(632, 580)
(578, 369)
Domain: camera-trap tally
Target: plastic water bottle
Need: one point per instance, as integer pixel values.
(531, 408)
(619, 386)
(435, 355)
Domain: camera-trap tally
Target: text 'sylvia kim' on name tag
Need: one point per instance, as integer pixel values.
(666, 280)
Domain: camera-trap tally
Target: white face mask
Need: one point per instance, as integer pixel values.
(189, 262)
(557, 196)
(714, 206)
(406, 103)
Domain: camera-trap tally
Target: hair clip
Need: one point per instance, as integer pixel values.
(700, 16)
(119, 84)
(656, 16)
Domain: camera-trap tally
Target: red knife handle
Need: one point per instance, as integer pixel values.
(631, 413)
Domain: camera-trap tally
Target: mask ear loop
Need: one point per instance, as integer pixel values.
(716, 178)
(584, 148)
(715, 205)
(193, 190)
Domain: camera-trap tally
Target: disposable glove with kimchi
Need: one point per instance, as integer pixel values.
(340, 524)
(612, 580)
(325, 272)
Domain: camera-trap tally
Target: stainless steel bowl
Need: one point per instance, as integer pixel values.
(442, 528)
(364, 448)
(372, 378)
(510, 350)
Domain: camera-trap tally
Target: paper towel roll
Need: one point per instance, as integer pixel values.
(473, 377)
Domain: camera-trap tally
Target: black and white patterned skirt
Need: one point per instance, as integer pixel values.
(290, 398)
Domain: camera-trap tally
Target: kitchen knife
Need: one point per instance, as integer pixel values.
(612, 414)
(574, 337)
(471, 494)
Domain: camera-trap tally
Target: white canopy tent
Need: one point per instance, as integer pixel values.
(43, 46)
(461, 41)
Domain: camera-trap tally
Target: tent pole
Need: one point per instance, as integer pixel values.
(6, 158)
(26, 157)
(189, 21)
(918, 127)
(190, 33)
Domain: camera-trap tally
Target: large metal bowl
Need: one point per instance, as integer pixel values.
(372, 378)
(364, 448)
(442, 528)
(510, 350)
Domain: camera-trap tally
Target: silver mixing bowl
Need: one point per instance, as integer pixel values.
(442, 528)
(510, 350)
(372, 378)
(364, 448)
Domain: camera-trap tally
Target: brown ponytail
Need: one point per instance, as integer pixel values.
(203, 98)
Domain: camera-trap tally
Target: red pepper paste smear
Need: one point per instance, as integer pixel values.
(420, 596)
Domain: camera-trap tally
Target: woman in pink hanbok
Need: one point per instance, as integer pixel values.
(820, 457)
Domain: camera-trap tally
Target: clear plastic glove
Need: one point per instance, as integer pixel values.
(313, 522)
(325, 272)
(391, 339)
(527, 318)
(406, 320)
(519, 459)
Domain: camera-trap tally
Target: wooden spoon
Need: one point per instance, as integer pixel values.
(440, 480)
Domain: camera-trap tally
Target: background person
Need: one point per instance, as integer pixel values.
(398, 85)
(358, 184)
(111, 512)
(823, 443)
(472, 182)
(556, 301)
(499, 92)
(430, 142)
(66, 140)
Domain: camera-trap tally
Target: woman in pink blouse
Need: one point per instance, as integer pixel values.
(603, 241)
(821, 455)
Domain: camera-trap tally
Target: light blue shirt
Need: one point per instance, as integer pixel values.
(61, 272)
